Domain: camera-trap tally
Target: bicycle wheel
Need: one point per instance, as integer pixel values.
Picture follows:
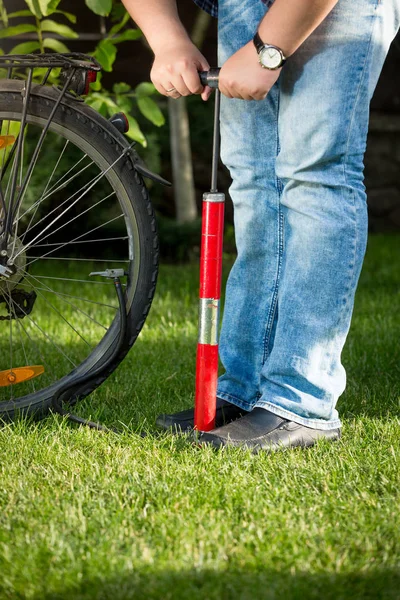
(86, 209)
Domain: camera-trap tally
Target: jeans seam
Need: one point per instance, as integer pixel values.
(367, 54)
(274, 303)
(351, 271)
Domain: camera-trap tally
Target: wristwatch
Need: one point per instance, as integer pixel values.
(269, 56)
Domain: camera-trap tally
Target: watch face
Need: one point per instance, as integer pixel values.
(270, 57)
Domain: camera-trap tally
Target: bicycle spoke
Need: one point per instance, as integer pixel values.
(11, 338)
(56, 165)
(14, 195)
(75, 280)
(73, 204)
(88, 260)
(77, 216)
(61, 244)
(16, 222)
(9, 182)
(63, 318)
(34, 344)
(23, 349)
(72, 241)
(42, 199)
(63, 184)
(48, 289)
(47, 337)
(36, 204)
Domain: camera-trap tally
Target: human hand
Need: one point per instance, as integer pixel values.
(177, 68)
(242, 76)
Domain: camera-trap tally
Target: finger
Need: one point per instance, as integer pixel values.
(225, 91)
(179, 85)
(158, 85)
(170, 91)
(192, 79)
(160, 88)
(174, 95)
(206, 93)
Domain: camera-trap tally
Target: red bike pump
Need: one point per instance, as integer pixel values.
(210, 282)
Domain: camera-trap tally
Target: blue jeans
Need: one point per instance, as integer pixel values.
(296, 161)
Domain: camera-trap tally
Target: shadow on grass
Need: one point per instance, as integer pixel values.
(245, 584)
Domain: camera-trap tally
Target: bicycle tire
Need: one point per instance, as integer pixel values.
(94, 135)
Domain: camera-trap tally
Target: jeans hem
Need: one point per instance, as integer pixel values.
(236, 401)
(287, 414)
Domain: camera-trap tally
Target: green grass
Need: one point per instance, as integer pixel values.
(92, 515)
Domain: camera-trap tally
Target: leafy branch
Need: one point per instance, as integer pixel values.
(44, 29)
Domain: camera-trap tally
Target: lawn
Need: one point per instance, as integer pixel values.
(89, 515)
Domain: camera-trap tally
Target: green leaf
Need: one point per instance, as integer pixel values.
(3, 15)
(128, 35)
(96, 85)
(16, 30)
(118, 12)
(150, 110)
(20, 13)
(42, 72)
(71, 18)
(109, 102)
(64, 30)
(25, 48)
(116, 28)
(100, 7)
(55, 45)
(34, 7)
(48, 6)
(106, 53)
(135, 133)
(124, 104)
(97, 104)
(121, 88)
(144, 89)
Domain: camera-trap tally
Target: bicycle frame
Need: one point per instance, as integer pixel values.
(77, 71)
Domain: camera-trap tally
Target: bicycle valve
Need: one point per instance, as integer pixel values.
(210, 294)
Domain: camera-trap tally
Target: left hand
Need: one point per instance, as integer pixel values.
(242, 76)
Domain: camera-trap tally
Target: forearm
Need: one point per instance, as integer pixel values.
(288, 23)
(177, 62)
(159, 21)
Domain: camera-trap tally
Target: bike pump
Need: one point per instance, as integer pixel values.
(210, 281)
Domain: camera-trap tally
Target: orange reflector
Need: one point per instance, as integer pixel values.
(6, 140)
(19, 375)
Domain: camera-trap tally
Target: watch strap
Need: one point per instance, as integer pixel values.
(259, 44)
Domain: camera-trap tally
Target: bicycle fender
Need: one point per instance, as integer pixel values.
(52, 93)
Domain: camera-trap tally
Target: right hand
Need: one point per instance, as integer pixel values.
(178, 67)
